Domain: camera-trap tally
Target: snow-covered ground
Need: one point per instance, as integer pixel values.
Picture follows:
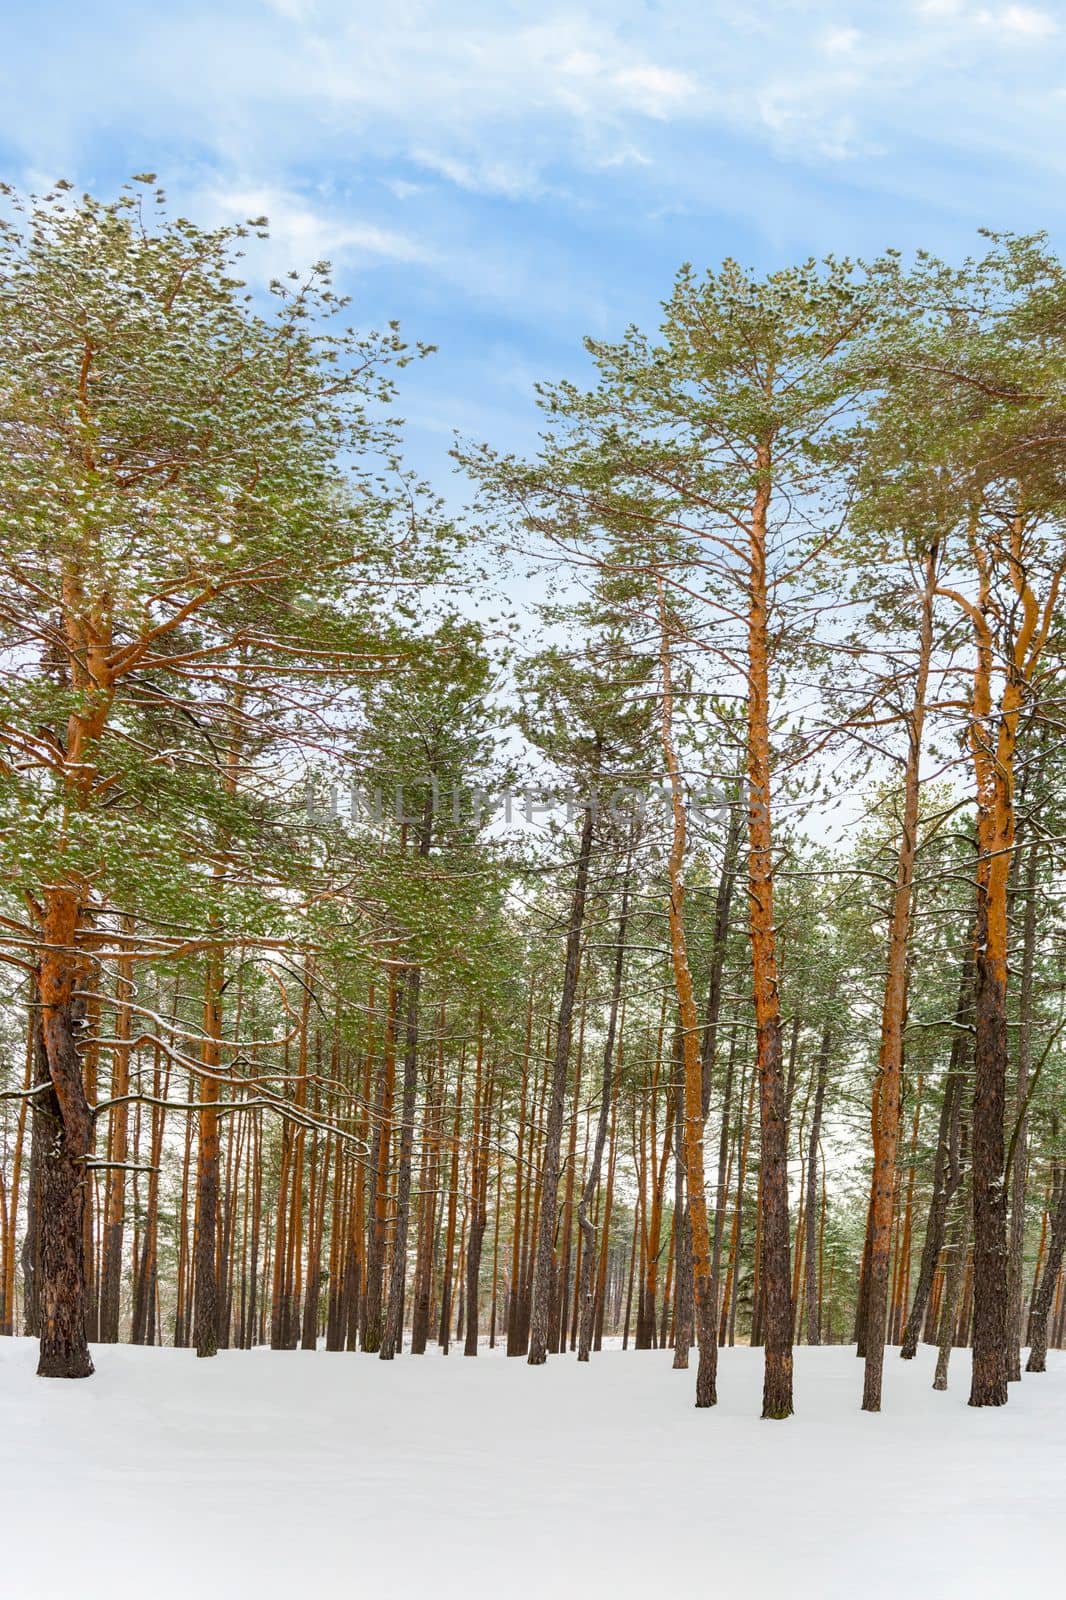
(300, 1474)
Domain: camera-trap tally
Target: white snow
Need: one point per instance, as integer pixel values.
(267, 1474)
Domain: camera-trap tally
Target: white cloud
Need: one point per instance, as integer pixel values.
(1021, 21)
(495, 67)
(292, 10)
(786, 112)
(627, 155)
(654, 89)
(841, 41)
(1026, 20)
(481, 174)
(583, 63)
(301, 235)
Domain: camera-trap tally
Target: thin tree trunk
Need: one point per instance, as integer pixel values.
(702, 1281)
(444, 1331)
(958, 1251)
(11, 1215)
(775, 1274)
(479, 1179)
(1038, 1333)
(586, 1294)
(724, 1150)
(206, 1300)
(117, 1150)
(947, 1171)
(392, 1337)
(887, 1094)
(543, 1270)
(814, 1324)
(427, 1206)
(1019, 1153)
(557, 1340)
(372, 1320)
(608, 1209)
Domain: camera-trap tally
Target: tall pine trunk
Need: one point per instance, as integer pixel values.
(62, 1136)
(775, 1271)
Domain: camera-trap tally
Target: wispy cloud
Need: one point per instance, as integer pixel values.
(1024, 20)
(300, 234)
(482, 173)
(1021, 21)
(518, 101)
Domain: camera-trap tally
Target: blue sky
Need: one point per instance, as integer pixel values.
(505, 178)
